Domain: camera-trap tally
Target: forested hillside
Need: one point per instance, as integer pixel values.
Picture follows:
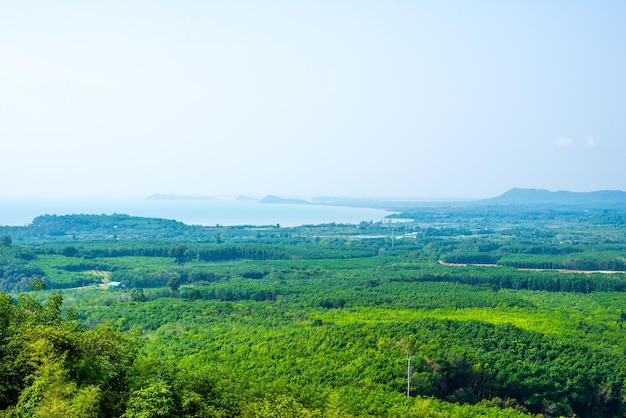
(462, 312)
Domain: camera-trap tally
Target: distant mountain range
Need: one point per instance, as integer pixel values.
(514, 197)
(541, 197)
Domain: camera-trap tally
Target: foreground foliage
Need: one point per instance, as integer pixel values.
(52, 367)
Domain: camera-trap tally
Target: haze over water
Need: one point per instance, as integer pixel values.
(16, 212)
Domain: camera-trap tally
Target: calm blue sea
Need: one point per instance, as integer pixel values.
(17, 212)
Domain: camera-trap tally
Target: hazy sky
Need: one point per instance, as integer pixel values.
(306, 98)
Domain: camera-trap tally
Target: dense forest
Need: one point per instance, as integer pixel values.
(459, 311)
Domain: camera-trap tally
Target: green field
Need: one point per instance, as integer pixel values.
(319, 321)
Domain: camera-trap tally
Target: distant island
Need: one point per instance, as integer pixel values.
(160, 196)
(275, 199)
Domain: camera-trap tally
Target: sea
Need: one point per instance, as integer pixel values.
(207, 212)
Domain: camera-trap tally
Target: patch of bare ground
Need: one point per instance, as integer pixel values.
(443, 263)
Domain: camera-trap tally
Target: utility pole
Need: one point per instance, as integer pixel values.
(409, 347)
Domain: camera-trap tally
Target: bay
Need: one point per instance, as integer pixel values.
(225, 212)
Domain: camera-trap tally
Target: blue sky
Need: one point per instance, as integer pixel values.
(307, 98)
